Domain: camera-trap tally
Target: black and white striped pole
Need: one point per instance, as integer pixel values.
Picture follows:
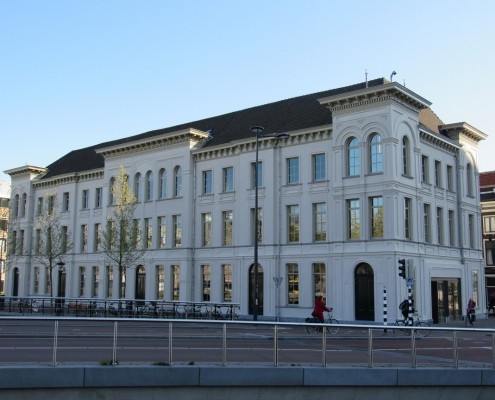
(385, 317)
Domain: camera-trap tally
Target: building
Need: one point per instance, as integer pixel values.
(487, 197)
(368, 176)
(4, 218)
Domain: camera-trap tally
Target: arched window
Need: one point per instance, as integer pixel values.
(149, 185)
(111, 198)
(178, 181)
(137, 179)
(23, 205)
(162, 181)
(353, 157)
(16, 206)
(469, 179)
(375, 152)
(405, 157)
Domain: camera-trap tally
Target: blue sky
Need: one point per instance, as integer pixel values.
(77, 73)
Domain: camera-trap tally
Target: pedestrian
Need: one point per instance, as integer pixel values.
(320, 306)
(470, 312)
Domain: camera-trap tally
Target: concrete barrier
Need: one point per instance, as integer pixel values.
(244, 382)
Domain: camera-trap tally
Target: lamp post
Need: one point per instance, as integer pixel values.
(258, 131)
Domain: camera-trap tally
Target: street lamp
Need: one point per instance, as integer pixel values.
(258, 131)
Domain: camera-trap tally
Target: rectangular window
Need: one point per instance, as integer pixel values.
(136, 233)
(319, 222)
(489, 224)
(98, 237)
(21, 242)
(48, 281)
(98, 197)
(177, 224)
(109, 293)
(96, 281)
(260, 225)
(81, 281)
(376, 211)
(353, 219)
(162, 232)
(257, 175)
(293, 223)
(450, 178)
(148, 231)
(85, 199)
(65, 203)
(228, 179)
(292, 170)
(319, 280)
(319, 167)
(207, 182)
(408, 218)
(292, 284)
(451, 227)
(471, 231)
(426, 223)
(39, 206)
(160, 282)
(51, 204)
(36, 283)
(227, 282)
(424, 169)
(227, 228)
(84, 238)
(206, 229)
(206, 274)
(440, 225)
(438, 174)
(490, 252)
(65, 238)
(175, 282)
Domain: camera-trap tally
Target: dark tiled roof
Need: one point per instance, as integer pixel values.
(282, 116)
(487, 179)
(430, 120)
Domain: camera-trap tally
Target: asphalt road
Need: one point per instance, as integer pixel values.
(149, 341)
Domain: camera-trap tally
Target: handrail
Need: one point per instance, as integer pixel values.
(261, 326)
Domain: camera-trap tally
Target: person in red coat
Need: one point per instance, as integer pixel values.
(320, 306)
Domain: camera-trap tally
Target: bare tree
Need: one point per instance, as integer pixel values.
(51, 240)
(121, 238)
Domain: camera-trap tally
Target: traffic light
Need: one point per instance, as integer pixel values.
(402, 268)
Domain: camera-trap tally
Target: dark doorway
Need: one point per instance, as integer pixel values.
(364, 292)
(140, 283)
(61, 282)
(15, 287)
(260, 289)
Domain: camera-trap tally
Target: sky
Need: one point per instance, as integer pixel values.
(78, 73)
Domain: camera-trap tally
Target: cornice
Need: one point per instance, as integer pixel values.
(458, 129)
(375, 94)
(70, 178)
(192, 136)
(26, 170)
(437, 141)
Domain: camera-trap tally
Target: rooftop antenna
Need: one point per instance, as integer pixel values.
(392, 75)
(366, 76)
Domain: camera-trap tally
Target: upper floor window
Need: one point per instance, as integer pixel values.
(98, 197)
(292, 170)
(162, 180)
(208, 182)
(319, 167)
(85, 199)
(177, 227)
(293, 223)
(228, 179)
(450, 178)
(227, 233)
(257, 175)
(65, 203)
(39, 206)
(206, 229)
(353, 219)
(489, 224)
(178, 181)
(376, 206)
(149, 186)
(137, 186)
(438, 173)
(408, 218)
(469, 179)
(111, 197)
(51, 204)
(24, 205)
(15, 210)
(425, 178)
(319, 222)
(427, 223)
(353, 157)
(406, 169)
(376, 157)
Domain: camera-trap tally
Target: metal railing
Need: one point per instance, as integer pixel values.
(129, 308)
(239, 342)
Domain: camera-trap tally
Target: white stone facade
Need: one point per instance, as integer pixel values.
(436, 173)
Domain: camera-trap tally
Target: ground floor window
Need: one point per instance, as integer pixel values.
(446, 299)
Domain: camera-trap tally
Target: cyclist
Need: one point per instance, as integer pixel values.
(470, 312)
(320, 306)
(404, 308)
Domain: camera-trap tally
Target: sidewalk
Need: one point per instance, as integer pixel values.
(488, 322)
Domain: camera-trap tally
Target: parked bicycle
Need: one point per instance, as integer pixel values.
(416, 322)
(331, 325)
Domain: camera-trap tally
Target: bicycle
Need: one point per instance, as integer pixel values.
(417, 322)
(331, 325)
